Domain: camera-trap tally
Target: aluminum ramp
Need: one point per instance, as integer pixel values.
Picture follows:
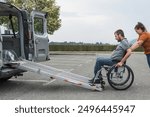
(54, 73)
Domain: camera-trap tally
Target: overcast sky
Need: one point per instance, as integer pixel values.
(96, 20)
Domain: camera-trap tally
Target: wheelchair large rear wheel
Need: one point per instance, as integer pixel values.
(120, 78)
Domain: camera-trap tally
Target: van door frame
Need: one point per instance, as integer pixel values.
(1, 49)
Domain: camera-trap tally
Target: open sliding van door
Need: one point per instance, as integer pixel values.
(1, 49)
(40, 35)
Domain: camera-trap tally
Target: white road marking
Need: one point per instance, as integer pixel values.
(49, 82)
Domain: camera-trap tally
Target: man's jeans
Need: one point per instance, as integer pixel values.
(101, 61)
(148, 59)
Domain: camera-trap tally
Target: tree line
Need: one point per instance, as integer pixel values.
(80, 46)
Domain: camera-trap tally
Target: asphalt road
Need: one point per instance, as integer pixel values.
(34, 87)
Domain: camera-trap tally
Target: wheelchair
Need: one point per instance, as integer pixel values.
(119, 78)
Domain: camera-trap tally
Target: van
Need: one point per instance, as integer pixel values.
(22, 35)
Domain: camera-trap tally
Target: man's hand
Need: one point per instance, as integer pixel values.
(119, 64)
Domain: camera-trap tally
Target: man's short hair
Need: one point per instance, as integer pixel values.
(119, 31)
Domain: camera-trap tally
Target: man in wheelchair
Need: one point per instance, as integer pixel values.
(115, 57)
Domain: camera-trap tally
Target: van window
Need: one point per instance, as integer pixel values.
(38, 26)
(8, 25)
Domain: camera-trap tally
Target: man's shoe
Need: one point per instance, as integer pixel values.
(97, 81)
(91, 81)
(94, 82)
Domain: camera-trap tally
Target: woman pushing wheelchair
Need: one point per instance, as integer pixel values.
(119, 57)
